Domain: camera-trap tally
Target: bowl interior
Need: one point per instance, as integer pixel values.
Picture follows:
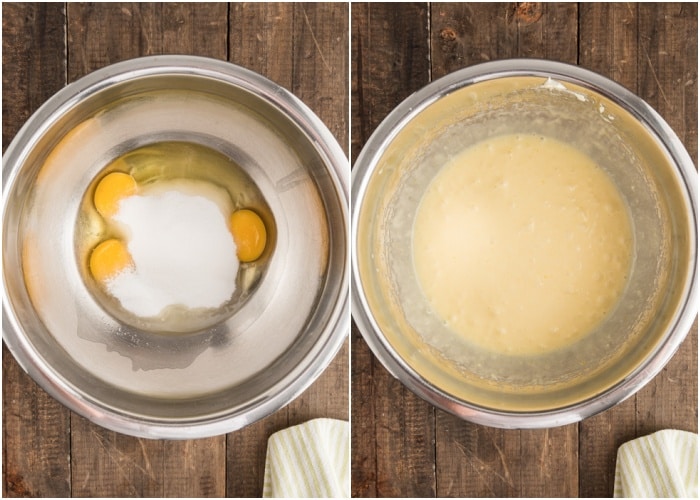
(637, 164)
(227, 367)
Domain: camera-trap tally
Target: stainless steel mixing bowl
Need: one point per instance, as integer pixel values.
(241, 367)
(642, 156)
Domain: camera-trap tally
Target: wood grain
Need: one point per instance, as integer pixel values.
(320, 36)
(39, 30)
(303, 47)
(321, 65)
(36, 437)
(36, 428)
(464, 34)
(391, 61)
(261, 39)
(401, 445)
(608, 45)
(363, 419)
(393, 436)
(667, 62)
(108, 464)
(608, 40)
(245, 455)
(105, 33)
(194, 473)
(617, 41)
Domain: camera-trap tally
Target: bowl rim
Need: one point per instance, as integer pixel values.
(335, 331)
(391, 126)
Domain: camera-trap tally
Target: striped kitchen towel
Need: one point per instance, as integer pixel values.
(311, 460)
(661, 465)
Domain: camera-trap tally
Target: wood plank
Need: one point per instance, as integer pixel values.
(490, 462)
(549, 464)
(122, 466)
(405, 440)
(599, 438)
(304, 48)
(246, 449)
(357, 139)
(245, 455)
(363, 419)
(608, 45)
(667, 61)
(321, 66)
(106, 463)
(608, 41)
(320, 80)
(33, 67)
(362, 415)
(670, 400)
(475, 460)
(485, 461)
(104, 33)
(195, 472)
(200, 29)
(373, 51)
(394, 453)
(261, 39)
(546, 30)
(36, 437)
(36, 428)
(653, 51)
(109, 464)
(391, 58)
(463, 34)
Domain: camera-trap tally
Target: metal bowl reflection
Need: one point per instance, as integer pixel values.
(214, 376)
(630, 142)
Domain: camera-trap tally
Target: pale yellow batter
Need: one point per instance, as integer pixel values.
(522, 244)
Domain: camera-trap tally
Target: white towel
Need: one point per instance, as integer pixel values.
(661, 465)
(311, 460)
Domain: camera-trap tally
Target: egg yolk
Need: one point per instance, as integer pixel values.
(108, 259)
(249, 234)
(111, 190)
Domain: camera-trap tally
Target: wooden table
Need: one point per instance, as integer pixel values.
(401, 445)
(50, 451)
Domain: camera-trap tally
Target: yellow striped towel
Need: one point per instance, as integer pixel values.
(661, 465)
(311, 460)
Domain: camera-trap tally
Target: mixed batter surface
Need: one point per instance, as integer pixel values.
(522, 244)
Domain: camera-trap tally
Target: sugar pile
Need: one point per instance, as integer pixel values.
(182, 250)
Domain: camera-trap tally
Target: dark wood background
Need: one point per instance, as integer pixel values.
(401, 445)
(49, 451)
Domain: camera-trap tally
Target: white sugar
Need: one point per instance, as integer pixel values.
(182, 250)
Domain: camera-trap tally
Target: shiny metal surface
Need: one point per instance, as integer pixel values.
(632, 144)
(247, 364)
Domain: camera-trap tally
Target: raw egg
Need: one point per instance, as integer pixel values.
(249, 233)
(108, 259)
(111, 190)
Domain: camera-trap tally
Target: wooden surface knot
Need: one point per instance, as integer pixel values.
(448, 34)
(16, 485)
(527, 12)
(449, 43)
